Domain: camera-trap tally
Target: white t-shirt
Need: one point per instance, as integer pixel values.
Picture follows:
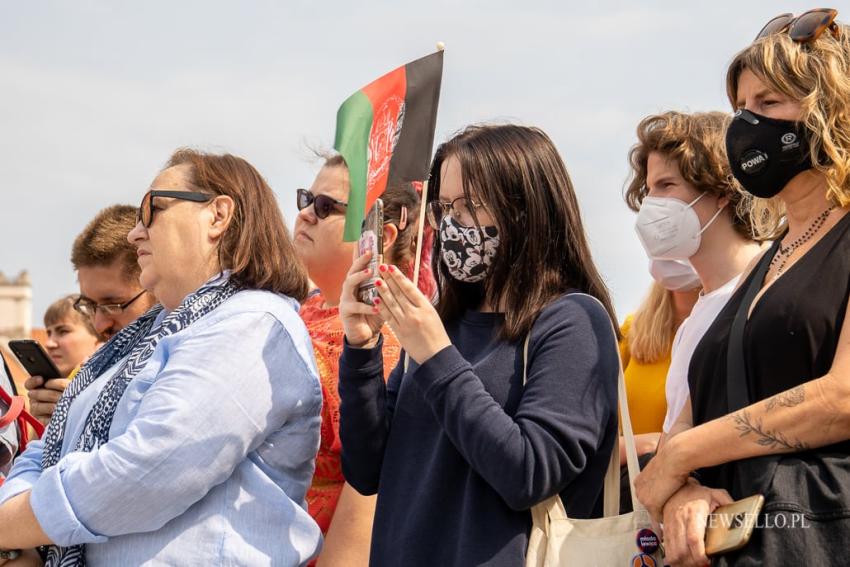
(687, 338)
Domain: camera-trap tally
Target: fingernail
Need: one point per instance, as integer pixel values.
(377, 301)
(383, 268)
(374, 310)
(392, 269)
(366, 271)
(379, 283)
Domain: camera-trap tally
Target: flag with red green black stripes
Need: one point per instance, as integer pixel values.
(385, 133)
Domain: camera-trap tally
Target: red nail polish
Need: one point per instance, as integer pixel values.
(383, 268)
(366, 271)
(377, 301)
(379, 283)
(392, 269)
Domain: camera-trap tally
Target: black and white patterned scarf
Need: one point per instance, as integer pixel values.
(135, 343)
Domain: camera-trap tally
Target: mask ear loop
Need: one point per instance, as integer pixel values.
(712, 219)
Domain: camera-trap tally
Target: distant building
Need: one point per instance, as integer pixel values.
(15, 307)
(16, 319)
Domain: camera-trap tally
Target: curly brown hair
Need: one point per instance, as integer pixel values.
(696, 142)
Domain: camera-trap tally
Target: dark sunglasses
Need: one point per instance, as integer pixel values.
(145, 214)
(804, 28)
(323, 205)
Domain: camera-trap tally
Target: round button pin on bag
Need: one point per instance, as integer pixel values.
(647, 541)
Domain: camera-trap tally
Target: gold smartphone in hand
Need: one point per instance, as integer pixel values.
(730, 527)
(372, 240)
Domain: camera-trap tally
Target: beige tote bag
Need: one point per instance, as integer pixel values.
(615, 540)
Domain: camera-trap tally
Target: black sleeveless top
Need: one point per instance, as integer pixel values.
(790, 338)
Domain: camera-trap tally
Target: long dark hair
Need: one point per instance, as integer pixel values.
(543, 252)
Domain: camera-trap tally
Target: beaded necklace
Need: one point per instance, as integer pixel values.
(784, 253)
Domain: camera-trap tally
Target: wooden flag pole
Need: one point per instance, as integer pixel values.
(420, 232)
(423, 203)
(420, 235)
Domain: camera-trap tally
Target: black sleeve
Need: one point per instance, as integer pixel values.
(366, 407)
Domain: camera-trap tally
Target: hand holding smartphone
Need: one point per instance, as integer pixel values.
(34, 359)
(371, 240)
(731, 526)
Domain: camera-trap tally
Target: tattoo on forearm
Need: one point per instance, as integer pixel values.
(746, 425)
(793, 397)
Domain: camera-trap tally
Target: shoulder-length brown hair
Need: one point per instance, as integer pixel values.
(543, 252)
(256, 247)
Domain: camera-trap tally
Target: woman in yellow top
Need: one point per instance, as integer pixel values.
(646, 344)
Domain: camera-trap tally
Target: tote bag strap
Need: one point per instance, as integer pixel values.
(611, 502)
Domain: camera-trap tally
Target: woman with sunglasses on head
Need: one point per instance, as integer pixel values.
(343, 515)
(457, 447)
(770, 381)
(190, 437)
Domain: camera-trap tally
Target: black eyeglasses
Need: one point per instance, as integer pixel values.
(462, 209)
(804, 28)
(88, 308)
(145, 214)
(323, 205)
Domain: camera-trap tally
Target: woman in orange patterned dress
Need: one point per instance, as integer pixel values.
(345, 516)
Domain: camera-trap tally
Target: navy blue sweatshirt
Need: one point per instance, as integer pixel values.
(458, 451)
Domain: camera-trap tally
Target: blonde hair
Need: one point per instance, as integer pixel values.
(817, 74)
(62, 309)
(651, 334)
(696, 143)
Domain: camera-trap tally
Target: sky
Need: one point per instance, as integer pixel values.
(95, 96)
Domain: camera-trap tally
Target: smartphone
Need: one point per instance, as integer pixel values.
(34, 359)
(371, 240)
(730, 527)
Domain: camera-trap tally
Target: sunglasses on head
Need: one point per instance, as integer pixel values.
(323, 205)
(804, 28)
(145, 214)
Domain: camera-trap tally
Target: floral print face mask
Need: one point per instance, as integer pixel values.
(467, 251)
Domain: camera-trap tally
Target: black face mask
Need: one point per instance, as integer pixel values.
(766, 153)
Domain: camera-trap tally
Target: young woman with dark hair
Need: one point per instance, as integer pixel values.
(456, 446)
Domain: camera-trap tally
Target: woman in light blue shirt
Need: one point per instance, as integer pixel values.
(190, 437)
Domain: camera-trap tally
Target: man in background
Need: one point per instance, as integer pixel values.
(110, 293)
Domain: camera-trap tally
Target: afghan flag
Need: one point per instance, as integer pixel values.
(385, 133)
